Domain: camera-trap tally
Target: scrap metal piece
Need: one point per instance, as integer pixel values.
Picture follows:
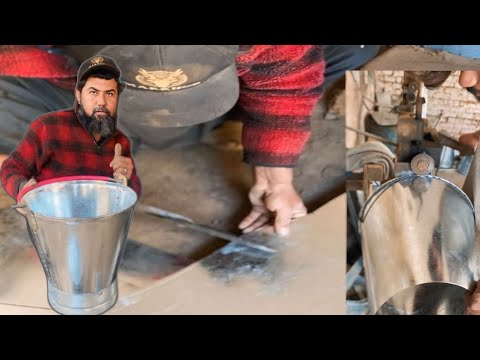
(186, 222)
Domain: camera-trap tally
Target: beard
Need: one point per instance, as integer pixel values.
(97, 124)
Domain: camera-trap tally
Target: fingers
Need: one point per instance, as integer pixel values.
(471, 140)
(122, 178)
(468, 78)
(21, 211)
(123, 170)
(284, 218)
(282, 221)
(282, 202)
(118, 150)
(122, 166)
(29, 183)
(256, 219)
(117, 154)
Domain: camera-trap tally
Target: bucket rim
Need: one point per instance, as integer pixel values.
(78, 179)
(376, 194)
(22, 193)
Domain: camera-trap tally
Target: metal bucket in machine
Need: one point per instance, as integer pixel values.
(79, 228)
(419, 247)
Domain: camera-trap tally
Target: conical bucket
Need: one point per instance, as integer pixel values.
(419, 247)
(79, 228)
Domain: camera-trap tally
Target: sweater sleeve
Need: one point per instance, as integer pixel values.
(22, 164)
(280, 86)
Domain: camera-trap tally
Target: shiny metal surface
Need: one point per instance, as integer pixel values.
(419, 247)
(447, 157)
(79, 229)
(422, 164)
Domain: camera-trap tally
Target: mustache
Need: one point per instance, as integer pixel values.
(103, 109)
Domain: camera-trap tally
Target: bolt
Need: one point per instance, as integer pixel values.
(422, 165)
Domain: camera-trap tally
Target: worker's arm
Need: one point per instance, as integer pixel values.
(24, 162)
(470, 140)
(280, 86)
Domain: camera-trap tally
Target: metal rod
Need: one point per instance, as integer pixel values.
(373, 136)
(223, 235)
(184, 221)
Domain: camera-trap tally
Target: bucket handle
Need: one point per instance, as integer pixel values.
(18, 206)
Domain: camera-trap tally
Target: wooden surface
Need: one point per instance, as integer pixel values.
(307, 277)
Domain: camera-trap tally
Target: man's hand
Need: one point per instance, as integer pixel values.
(273, 196)
(122, 166)
(473, 302)
(470, 140)
(23, 185)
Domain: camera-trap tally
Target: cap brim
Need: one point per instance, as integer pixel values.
(114, 70)
(144, 111)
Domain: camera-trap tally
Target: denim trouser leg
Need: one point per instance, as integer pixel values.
(21, 102)
(340, 58)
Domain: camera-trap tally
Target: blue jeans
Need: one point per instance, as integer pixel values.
(341, 58)
(469, 51)
(22, 101)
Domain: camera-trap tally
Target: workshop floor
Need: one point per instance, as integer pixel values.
(205, 182)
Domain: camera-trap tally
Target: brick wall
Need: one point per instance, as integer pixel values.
(449, 107)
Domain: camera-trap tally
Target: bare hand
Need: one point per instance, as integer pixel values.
(473, 302)
(273, 197)
(122, 166)
(31, 182)
(470, 140)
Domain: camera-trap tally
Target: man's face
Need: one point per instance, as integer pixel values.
(99, 97)
(471, 81)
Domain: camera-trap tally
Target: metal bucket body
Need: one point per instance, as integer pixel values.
(79, 229)
(419, 247)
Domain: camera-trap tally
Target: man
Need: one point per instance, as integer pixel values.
(79, 141)
(176, 92)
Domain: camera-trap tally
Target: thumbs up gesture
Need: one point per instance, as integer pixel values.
(122, 166)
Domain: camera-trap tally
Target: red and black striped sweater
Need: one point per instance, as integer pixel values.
(280, 86)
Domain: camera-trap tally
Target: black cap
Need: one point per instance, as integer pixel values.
(98, 62)
(174, 85)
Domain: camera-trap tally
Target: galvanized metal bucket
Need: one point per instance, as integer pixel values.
(419, 247)
(79, 227)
